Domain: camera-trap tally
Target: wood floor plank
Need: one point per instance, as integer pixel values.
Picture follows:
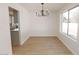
(42, 46)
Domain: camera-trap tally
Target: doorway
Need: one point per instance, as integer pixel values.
(14, 27)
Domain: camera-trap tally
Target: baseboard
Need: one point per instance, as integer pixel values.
(44, 36)
(73, 52)
(36, 36)
(51, 36)
(24, 40)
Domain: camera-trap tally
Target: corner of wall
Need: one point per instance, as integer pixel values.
(61, 39)
(22, 42)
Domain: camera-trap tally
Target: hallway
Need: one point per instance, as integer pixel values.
(42, 46)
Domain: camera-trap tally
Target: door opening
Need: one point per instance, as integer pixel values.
(14, 27)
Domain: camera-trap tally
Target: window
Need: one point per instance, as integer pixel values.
(73, 22)
(70, 22)
(65, 22)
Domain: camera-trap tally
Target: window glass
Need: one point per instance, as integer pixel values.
(65, 22)
(73, 22)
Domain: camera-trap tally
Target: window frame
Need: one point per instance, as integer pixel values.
(66, 34)
(67, 23)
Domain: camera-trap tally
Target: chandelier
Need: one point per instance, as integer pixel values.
(42, 12)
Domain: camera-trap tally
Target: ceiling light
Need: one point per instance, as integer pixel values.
(42, 12)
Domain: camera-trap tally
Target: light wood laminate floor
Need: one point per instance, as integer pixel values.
(42, 46)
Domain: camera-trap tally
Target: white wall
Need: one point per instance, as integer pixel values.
(24, 22)
(40, 26)
(71, 44)
(5, 41)
(44, 26)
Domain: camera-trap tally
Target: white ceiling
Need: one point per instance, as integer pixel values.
(48, 6)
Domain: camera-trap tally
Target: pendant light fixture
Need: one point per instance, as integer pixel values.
(42, 12)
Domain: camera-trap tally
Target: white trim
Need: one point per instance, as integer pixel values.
(62, 40)
(67, 46)
(43, 36)
(24, 41)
